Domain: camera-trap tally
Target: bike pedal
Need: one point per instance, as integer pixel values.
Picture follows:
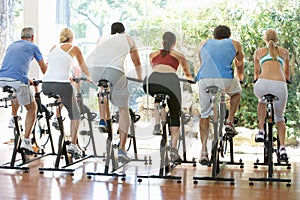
(283, 158)
(26, 151)
(103, 129)
(76, 156)
(259, 140)
(87, 133)
(93, 116)
(50, 114)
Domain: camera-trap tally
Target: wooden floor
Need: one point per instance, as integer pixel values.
(17, 184)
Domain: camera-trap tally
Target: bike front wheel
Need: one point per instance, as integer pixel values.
(41, 131)
(215, 160)
(85, 129)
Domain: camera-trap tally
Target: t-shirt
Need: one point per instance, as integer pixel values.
(111, 52)
(17, 60)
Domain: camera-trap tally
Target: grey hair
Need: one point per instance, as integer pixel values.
(27, 32)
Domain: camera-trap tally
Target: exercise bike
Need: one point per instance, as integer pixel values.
(219, 142)
(41, 131)
(269, 149)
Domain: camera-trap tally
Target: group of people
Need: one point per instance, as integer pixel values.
(216, 55)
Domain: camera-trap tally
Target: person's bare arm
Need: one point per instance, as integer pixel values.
(81, 62)
(286, 66)
(256, 66)
(134, 54)
(43, 66)
(184, 64)
(239, 60)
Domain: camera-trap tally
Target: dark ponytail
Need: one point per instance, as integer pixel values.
(168, 40)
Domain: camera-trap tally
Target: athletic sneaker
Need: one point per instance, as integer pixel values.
(102, 126)
(260, 136)
(73, 149)
(175, 158)
(55, 123)
(282, 154)
(11, 123)
(157, 130)
(122, 155)
(26, 146)
(204, 158)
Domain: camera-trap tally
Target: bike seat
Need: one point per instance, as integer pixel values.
(269, 97)
(52, 95)
(161, 96)
(212, 89)
(104, 83)
(9, 89)
(36, 82)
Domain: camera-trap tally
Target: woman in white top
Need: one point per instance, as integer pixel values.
(56, 81)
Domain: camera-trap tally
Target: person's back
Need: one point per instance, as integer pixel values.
(112, 51)
(217, 56)
(272, 69)
(59, 59)
(17, 60)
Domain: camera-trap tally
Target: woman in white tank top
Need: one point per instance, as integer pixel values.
(56, 81)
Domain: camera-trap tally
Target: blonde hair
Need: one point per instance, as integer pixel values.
(271, 38)
(65, 35)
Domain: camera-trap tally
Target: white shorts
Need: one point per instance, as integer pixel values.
(277, 88)
(229, 86)
(24, 92)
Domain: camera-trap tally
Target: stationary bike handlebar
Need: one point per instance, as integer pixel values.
(36, 82)
(77, 80)
(141, 81)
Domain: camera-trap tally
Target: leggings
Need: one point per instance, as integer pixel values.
(166, 83)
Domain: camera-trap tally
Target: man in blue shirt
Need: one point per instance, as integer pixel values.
(216, 56)
(14, 73)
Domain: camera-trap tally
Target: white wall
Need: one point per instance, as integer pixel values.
(40, 14)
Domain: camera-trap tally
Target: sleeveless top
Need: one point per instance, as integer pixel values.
(166, 60)
(269, 57)
(60, 64)
(217, 57)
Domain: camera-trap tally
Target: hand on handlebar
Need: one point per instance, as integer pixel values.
(192, 81)
(89, 79)
(31, 82)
